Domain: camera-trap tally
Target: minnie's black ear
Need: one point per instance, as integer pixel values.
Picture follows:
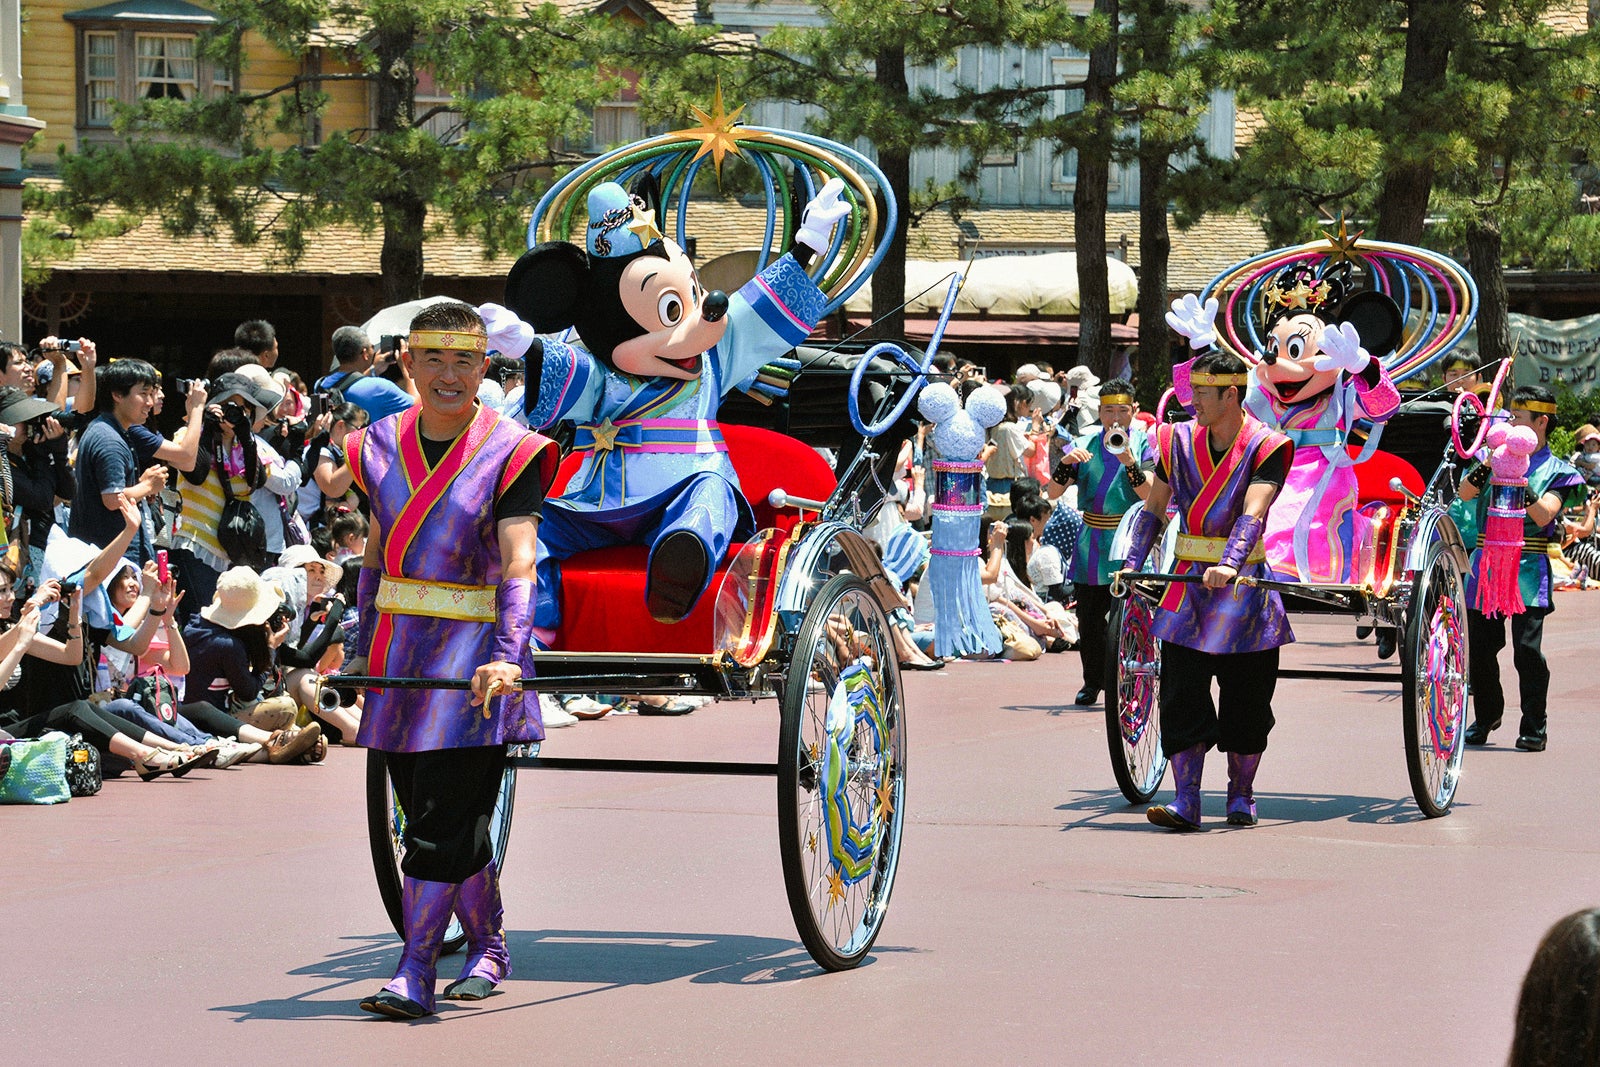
(646, 188)
(546, 285)
(1377, 319)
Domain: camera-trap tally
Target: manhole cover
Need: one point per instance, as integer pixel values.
(1153, 890)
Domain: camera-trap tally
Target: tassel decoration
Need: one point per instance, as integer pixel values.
(1498, 566)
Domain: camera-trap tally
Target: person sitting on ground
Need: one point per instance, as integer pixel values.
(196, 723)
(230, 651)
(1010, 595)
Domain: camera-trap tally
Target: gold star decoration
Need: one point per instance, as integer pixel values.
(644, 225)
(715, 131)
(1298, 297)
(811, 842)
(835, 888)
(885, 799)
(1343, 242)
(812, 751)
(605, 436)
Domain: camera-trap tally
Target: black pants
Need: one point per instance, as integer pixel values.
(1241, 718)
(1485, 638)
(448, 796)
(78, 717)
(1093, 611)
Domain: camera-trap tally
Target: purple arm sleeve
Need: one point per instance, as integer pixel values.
(513, 609)
(1242, 538)
(1146, 528)
(366, 609)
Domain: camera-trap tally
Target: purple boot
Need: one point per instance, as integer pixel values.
(1183, 814)
(426, 908)
(1241, 788)
(484, 920)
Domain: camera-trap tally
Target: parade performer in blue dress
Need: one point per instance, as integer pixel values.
(446, 591)
(661, 354)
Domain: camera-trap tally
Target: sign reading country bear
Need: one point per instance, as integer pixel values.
(1560, 350)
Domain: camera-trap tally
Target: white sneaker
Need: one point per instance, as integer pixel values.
(553, 714)
(229, 753)
(587, 708)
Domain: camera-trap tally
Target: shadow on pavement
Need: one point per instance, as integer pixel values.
(1108, 809)
(595, 959)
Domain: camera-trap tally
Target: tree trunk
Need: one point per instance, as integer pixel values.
(1488, 270)
(889, 280)
(1403, 201)
(1153, 364)
(1089, 204)
(405, 214)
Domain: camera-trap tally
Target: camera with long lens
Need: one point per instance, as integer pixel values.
(1115, 439)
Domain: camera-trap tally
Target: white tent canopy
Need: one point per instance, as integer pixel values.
(1005, 285)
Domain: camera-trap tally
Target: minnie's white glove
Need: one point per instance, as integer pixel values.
(1195, 321)
(817, 221)
(1341, 349)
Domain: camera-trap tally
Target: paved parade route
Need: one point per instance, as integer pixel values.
(231, 917)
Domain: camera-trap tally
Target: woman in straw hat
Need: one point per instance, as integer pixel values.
(231, 657)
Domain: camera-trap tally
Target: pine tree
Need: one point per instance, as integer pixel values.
(246, 163)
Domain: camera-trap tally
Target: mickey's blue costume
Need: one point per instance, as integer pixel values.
(655, 468)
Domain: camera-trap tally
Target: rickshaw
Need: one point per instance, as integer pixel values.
(1409, 558)
(798, 613)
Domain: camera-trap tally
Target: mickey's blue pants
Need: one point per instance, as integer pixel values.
(706, 505)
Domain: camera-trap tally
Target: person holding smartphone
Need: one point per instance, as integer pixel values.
(355, 375)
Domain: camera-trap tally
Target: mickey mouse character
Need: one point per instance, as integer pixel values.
(1321, 371)
(662, 353)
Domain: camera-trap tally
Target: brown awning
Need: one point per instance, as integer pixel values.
(1007, 331)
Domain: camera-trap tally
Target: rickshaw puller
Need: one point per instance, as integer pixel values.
(1222, 471)
(446, 590)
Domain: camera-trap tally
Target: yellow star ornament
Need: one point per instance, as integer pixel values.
(715, 131)
(644, 225)
(605, 436)
(1343, 242)
(835, 888)
(886, 799)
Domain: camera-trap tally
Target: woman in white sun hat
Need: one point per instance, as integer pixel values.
(231, 661)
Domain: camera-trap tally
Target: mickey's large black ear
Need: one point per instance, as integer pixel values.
(646, 188)
(546, 285)
(1377, 319)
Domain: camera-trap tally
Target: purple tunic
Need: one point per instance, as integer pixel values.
(1208, 498)
(440, 538)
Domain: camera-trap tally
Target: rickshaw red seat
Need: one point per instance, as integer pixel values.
(1372, 477)
(602, 592)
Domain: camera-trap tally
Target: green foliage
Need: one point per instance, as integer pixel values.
(245, 164)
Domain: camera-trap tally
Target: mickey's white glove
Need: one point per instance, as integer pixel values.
(1341, 349)
(1195, 321)
(817, 221)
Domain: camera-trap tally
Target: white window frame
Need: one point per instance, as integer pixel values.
(1067, 69)
(89, 117)
(208, 80)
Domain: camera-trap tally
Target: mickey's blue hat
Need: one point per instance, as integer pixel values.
(619, 224)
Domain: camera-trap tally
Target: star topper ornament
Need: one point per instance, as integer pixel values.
(643, 225)
(715, 131)
(1343, 243)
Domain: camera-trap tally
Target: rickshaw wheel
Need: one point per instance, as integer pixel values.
(1133, 692)
(386, 829)
(1434, 681)
(841, 791)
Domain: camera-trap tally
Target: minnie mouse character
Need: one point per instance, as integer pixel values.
(1319, 372)
(661, 354)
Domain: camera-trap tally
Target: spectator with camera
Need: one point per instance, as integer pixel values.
(330, 480)
(37, 471)
(58, 385)
(107, 469)
(354, 375)
(227, 471)
(280, 443)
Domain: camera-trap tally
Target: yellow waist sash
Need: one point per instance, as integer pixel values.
(440, 600)
(1197, 549)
